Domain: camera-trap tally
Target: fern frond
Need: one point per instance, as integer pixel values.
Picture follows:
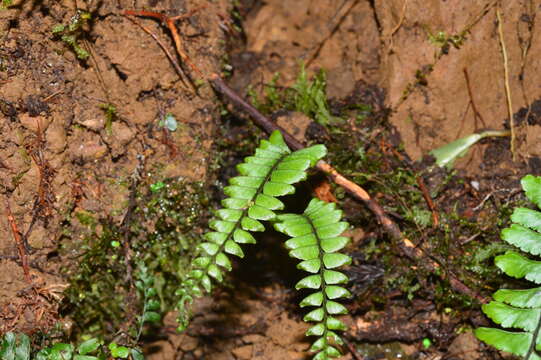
(315, 241)
(270, 173)
(519, 309)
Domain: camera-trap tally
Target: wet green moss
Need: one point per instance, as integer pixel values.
(163, 235)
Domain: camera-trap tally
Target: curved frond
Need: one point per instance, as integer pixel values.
(315, 240)
(519, 309)
(252, 198)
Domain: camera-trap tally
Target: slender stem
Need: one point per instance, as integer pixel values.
(507, 86)
(531, 349)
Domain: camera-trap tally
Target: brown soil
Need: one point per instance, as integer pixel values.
(59, 155)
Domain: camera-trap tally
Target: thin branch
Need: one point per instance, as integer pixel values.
(507, 86)
(19, 242)
(173, 61)
(407, 247)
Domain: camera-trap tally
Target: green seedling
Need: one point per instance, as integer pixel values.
(72, 33)
(447, 154)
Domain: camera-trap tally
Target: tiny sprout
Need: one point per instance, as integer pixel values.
(170, 122)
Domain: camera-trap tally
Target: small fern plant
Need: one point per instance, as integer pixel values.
(253, 199)
(519, 309)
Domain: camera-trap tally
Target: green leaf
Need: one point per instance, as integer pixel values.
(243, 237)
(315, 299)
(527, 217)
(525, 239)
(520, 298)
(334, 244)
(229, 214)
(247, 181)
(335, 308)
(214, 271)
(85, 357)
(119, 351)
(288, 176)
(222, 226)
(316, 330)
(210, 248)
(305, 240)
(260, 213)
(151, 316)
(240, 192)
(446, 155)
(532, 186)
(269, 202)
(137, 354)
(251, 224)
(335, 260)
(216, 237)
(231, 203)
(153, 304)
(207, 285)
(202, 261)
(305, 253)
(278, 189)
(332, 230)
(88, 346)
(332, 277)
(512, 317)
(311, 266)
(223, 261)
(335, 324)
(232, 248)
(319, 344)
(336, 292)
(309, 282)
(514, 342)
(516, 265)
(315, 315)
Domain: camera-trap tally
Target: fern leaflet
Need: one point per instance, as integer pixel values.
(252, 197)
(519, 309)
(315, 241)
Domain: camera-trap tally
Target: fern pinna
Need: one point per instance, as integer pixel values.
(252, 197)
(315, 241)
(519, 309)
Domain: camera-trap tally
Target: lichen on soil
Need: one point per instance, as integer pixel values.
(92, 165)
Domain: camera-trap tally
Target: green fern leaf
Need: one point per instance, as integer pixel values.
(518, 266)
(519, 309)
(315, 240)
(517, 343)
(532, 187)
(270, 173)
(512, 317)
(529, 298)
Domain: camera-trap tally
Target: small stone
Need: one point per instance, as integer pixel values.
(252, 338)
(188, 343)
(95, 124)
(34, 123)
(244, 352)
(467, 345)
(91, 150)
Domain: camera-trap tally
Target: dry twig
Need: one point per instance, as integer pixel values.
(507, 86)
(19, 242)
(407, 247)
